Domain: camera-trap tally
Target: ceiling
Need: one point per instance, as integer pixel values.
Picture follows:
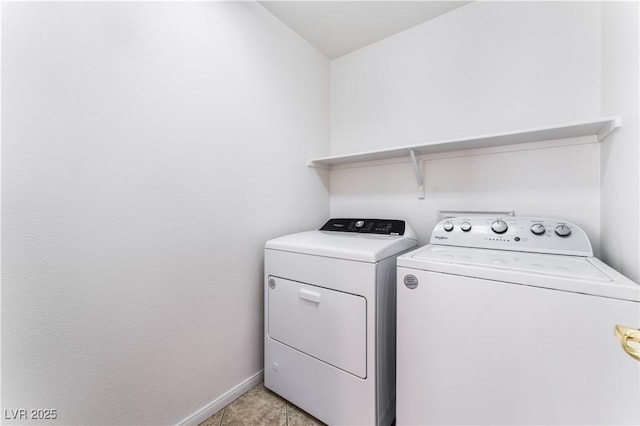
(339, 27)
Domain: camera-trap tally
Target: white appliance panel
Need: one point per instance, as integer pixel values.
(531, 234)
(349, 246)
(478, 351)
(328, 393)
(337, 274)
(328, 325)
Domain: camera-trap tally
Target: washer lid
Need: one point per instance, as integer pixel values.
(346, 245)
(569, 273)
(544, 264)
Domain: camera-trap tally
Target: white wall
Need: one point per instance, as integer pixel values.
(149, 150)
(483, 68)
(620, 224)
(487, 67)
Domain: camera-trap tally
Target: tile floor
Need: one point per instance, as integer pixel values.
(261, 407)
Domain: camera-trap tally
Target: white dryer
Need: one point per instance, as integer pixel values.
(330, 318)
(511, 321)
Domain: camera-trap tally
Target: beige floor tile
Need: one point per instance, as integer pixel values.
(214, 420)
(297, 417)
(258, 407)
(261, 407)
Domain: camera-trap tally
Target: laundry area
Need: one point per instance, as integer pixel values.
(320, 212)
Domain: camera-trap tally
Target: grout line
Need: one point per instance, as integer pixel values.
(224, 410)
(286, 412)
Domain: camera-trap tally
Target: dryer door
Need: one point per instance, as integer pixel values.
(326, 324)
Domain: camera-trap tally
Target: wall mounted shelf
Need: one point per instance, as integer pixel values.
(599, 129)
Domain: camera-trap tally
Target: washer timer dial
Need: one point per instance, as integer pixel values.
(499, 226)
(447, 226)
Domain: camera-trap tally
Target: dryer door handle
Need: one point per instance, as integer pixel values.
(309, 295)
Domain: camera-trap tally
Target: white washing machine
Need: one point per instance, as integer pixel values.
(511, 321)
(330, 318)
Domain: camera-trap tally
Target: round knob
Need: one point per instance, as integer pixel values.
(499, 226)
(359, 223)
(465, 226)
(563, 231)
(447, 226)
(538, 229)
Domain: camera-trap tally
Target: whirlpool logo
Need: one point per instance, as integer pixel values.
(441, 237)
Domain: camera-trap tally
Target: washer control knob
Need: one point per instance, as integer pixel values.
(465, 226)
(359, 223)
(499, 226)
(447, 226)
(538, 229)
(563, 231)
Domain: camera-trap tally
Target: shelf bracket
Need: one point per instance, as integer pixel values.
(416, 168)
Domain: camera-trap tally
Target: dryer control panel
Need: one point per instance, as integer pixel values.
(530, 234)
(366, 226)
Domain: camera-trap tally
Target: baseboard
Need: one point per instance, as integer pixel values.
(222, 401)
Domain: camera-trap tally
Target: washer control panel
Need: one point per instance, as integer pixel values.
(366, 226)
(531, 234)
